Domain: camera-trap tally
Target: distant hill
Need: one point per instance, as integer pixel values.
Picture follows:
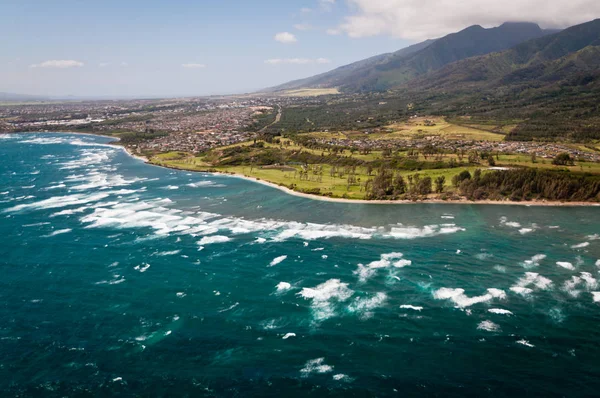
(5, 97)
(568, 54)
(340, 76)
(390, 70)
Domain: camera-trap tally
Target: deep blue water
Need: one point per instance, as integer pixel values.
(124, 278)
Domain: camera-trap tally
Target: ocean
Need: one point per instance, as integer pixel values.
(122, 278)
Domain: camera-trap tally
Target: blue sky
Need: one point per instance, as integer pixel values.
(199, 47)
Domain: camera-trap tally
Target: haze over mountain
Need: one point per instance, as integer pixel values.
(20, 97)
(389, 70)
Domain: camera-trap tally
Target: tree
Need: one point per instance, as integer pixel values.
(491, 161)
(459, 178)
(563, 159)
(439, 184)
(399, 185)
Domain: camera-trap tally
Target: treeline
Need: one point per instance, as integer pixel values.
(530, 184)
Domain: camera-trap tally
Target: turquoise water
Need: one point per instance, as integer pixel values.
(120, 277)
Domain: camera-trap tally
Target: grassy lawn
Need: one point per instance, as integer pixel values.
(436, 127)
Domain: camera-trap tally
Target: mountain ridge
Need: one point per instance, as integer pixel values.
(385, 71)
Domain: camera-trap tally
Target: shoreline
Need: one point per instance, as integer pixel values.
(291, 192)
(401, 202)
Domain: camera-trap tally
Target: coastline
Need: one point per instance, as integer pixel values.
(289, 191)
(404, 202)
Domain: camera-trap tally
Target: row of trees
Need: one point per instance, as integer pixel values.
(388, 184)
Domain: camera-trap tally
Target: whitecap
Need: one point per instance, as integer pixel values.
(364, 305)
(488, 326)
(283, 286)
(288, 335)
(277, 260)
(461, 300)
(411, 307)
(532, 278)
(208, 240)
(596, 297)
(316, 366)
(581, 245)
(58, 232)
(525, 343)
(499, 311)
(142, 268)
(324, 296)
(523, 291)
(534, 261)
(565, 265)
(168, 253)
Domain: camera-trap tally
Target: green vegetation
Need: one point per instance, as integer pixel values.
(389, 175)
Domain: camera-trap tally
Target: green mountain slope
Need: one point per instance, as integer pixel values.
(389, 70)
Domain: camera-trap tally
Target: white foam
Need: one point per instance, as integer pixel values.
(499, 311)
(531, 278)
(565, 265)
(488, 326)
(525, 343)
(581, 245)
(142, 268)
(277, 260)
(364, 273)
(598, 263)
(596, 297)
(461, 300)
(341, 377)
(523, 291)
(402, 263)
(425, 232)
(168, 253)
(524, 231)
(324, 295)
(181, 294)
(594, 237)
(260, 240)
(316, 366)
(205, 184)
(283, 286)
(58, 232)
(535, 261)
(590, 281)
(43, 141)
(483, 256)
(364, 305)
(411, 307)
(288, 335)
(209, 240)
(59, 201)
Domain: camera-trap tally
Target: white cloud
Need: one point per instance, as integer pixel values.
(302, 26)
(62, 64)
(103, 64)
(423, 19)
(333, 32)
(297, 61)
(193, 66)
(285, 37)
(326, 5)
(124, 64)
(305, 10)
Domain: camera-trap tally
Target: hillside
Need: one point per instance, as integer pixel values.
(339, 76)
(5, 97)
(552, 82)
(389, 70)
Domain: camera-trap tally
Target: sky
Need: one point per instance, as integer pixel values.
(160, 48)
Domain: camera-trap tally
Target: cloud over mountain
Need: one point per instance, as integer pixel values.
(423, 19)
